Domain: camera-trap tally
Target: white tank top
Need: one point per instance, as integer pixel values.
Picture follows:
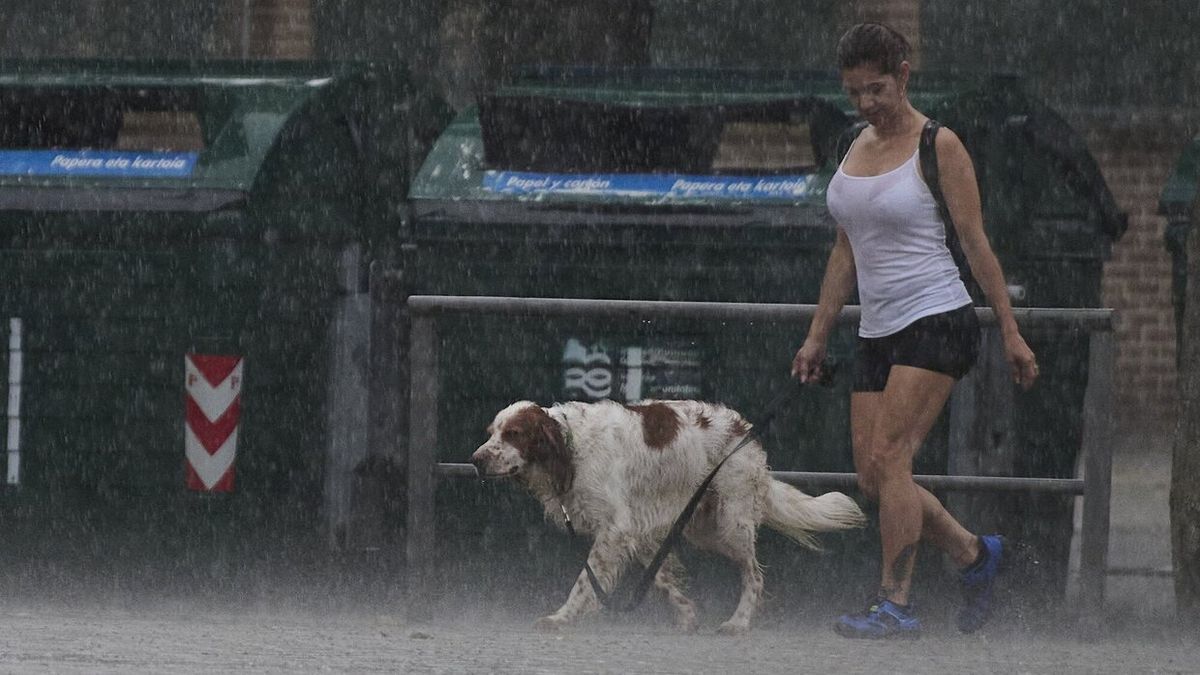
(905, 271)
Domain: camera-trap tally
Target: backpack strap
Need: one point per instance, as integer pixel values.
(927, 151)
(929, 170)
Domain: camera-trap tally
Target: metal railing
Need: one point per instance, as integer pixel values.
(1096, 451)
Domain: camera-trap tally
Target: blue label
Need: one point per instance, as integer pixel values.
(647, 185)
(97, 163)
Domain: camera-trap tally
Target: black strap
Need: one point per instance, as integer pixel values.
(927, 151)
(587, 567)
(676, 532)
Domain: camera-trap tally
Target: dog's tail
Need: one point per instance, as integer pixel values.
(797, 515)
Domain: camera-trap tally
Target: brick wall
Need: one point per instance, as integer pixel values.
(265, 29)
(281, 29)
(1136, 157)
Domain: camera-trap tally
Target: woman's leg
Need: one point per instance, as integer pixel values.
(938, 527)
(903, 415)
(864, 407)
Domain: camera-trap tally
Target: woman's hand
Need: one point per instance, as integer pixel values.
(806, 365)
(1021, 360)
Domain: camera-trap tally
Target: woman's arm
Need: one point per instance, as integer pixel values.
(962, 198)
(835, 290)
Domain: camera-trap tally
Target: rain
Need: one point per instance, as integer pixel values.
(271, 268)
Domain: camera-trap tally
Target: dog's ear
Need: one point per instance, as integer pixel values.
(552, 434)
(540, 440)
(556, 458)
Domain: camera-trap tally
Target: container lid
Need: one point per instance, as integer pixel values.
(641, 137)
(117, 125)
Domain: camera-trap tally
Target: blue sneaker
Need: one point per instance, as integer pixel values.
(978, 582)
(884, 619)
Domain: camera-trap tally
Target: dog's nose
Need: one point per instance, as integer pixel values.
(478, 458)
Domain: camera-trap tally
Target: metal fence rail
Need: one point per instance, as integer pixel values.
(831, 479)
(1096, 451)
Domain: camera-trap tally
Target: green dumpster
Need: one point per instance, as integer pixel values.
(709, 185)
(151, 212)
(1178, 204)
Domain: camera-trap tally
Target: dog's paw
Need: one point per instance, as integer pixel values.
(549, 624)
(733, 628)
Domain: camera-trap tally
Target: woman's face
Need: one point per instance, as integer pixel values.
(873, 94)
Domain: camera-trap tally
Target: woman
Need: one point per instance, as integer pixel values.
(918, 332)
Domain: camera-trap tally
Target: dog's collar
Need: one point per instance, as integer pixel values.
(569, 443)
(568, 438)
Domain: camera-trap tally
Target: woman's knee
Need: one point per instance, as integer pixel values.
(882, 464)
(892, 456)
(868, 483)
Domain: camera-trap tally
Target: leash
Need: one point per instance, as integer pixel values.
(676, 531)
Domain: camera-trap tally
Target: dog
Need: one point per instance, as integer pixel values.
(623, 473)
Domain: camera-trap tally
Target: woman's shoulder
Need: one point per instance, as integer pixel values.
(952, 156)
(946, 138)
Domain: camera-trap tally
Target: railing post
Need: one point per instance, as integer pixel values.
(981, 428)
(1097, 458)
(349, 397)
(419, 533)
(962, 458)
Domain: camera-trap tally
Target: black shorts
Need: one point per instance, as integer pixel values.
(946, 343)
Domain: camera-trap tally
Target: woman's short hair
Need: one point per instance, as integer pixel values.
(872, 43)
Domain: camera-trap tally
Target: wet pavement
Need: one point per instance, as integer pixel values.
(180, 638)
(75, 626)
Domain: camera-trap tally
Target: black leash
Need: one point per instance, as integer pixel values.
(676, 532)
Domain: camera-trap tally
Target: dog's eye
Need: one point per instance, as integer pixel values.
(515, 437)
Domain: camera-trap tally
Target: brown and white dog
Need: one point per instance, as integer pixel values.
(624, 473)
